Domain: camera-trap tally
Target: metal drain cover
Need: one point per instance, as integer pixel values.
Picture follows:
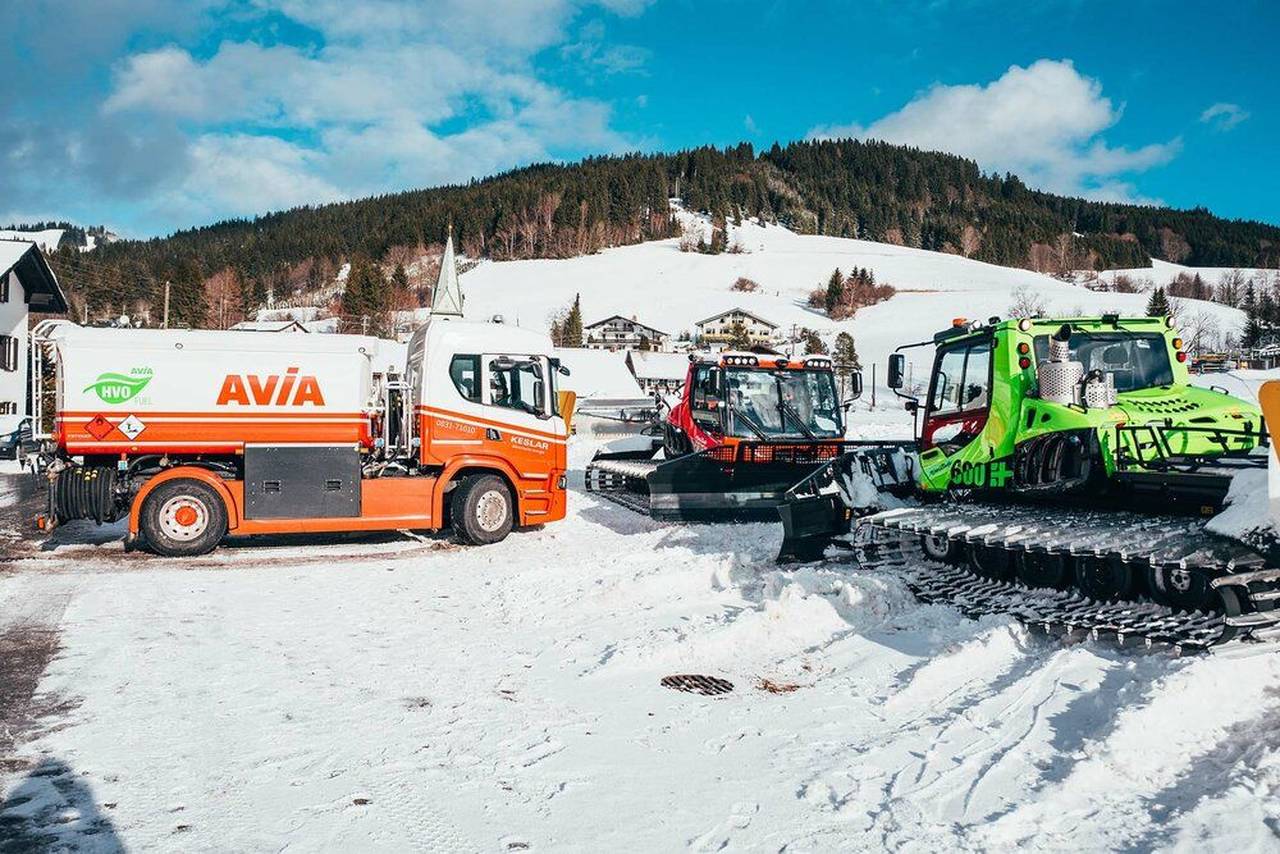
(696, 683)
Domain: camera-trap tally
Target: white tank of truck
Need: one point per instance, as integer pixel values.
(192, 391)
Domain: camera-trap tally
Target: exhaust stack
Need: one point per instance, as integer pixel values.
(1058, 377)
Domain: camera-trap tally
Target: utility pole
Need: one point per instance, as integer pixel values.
(873, 385)
(165, 324)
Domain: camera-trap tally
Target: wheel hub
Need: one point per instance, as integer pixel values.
(491, 510)
(184, 517)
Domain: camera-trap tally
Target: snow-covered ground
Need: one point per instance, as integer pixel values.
(391, 694)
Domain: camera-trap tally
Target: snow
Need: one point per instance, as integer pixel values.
(660, 366)
(1161, 273)
(672, 289)
(381, 693)
(47, 239)
(11, 252)
(597, 374)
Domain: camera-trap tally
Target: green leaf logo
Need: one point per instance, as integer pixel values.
(117, 388)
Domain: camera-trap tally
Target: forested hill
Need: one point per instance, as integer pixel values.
(846, 188)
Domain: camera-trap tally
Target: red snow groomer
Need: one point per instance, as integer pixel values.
(747, 427)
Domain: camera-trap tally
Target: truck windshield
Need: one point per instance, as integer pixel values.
(782, 404)
(1134, 360)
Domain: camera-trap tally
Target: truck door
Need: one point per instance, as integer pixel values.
(517, 390)
(959, 397)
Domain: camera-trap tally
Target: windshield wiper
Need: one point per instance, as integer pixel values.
(755, 428)
(788, 409)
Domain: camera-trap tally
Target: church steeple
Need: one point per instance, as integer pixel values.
(446, 299)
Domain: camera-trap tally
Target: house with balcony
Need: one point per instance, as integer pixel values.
(624, 333)
(717, 330)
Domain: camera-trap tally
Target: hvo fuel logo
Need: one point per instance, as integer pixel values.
(118, 388)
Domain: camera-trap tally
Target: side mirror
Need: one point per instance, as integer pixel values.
(855, 381)
(897, 369)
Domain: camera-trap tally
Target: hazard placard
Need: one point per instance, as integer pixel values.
(98, 428)
(131, 426)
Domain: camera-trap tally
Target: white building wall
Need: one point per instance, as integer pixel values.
(13, 384)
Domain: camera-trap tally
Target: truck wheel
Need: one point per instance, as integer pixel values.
(481, 510)
(183, 518)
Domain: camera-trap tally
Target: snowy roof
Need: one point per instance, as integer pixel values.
(742, 311)
(269, 326)
(647, 365)
(597, 374)
(41, 286)
(599, 323)
(47, 239)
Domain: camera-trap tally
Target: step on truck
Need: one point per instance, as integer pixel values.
(194, 435)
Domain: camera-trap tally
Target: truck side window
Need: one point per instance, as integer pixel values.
(465, 373)
(705, 391)
(947, 382)
(516, 384)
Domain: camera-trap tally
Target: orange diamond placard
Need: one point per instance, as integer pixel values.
(99, 427)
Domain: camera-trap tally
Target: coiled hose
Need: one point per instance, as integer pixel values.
(86, 492)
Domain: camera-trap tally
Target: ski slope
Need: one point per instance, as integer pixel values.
(671, 290)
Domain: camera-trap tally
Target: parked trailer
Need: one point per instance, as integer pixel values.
(193, 435)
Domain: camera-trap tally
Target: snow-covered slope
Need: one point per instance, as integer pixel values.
(671, 290)
(1160, 273)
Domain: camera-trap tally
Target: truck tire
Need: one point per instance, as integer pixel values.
(183, 518)
(482, 510)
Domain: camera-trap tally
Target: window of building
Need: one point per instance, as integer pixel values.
(8, 407)
(8, 353)
(4, 288)
(465, 373)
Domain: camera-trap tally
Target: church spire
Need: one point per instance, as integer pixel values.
(446, 299)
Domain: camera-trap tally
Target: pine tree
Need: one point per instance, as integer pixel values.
(739, 338)
(364, 301)
(813, 344)
(845, 354)
(573, 324)
(835, 290)
(1254, 331)
(1158, 305)
(845, 357)
(400, 279)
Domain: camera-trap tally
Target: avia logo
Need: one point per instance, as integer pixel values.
(288, 390)
(118, 388)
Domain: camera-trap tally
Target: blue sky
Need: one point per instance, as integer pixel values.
(153, 115)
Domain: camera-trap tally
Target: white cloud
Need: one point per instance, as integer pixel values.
(399, 94)
(1043, 122)
(245, 173)
(1224, 115)
(590, 51)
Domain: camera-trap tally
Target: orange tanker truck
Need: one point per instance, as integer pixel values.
(194, 435)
